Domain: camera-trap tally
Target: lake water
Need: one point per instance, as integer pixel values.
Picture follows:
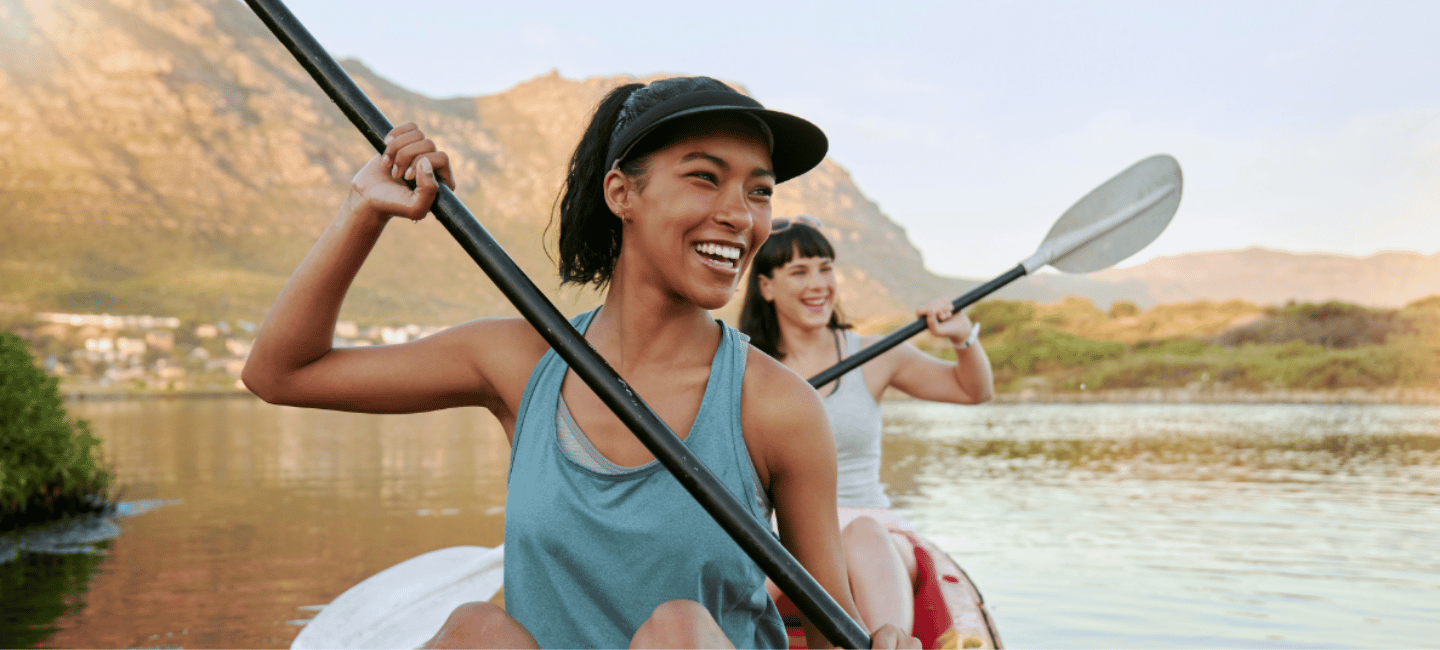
(1085, 526)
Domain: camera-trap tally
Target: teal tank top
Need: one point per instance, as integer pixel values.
(589, 555)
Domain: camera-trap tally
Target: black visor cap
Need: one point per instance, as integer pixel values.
(798, 145)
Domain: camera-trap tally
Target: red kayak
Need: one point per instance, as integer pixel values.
(949, 612)
(402, 606)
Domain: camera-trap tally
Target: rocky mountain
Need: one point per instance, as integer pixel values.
(1272, 277)
(169, 156)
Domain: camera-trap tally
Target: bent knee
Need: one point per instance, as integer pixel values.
(680, 624)
(479, 625)
(864, 531)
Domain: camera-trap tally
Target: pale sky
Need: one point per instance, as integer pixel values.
(1307, 126)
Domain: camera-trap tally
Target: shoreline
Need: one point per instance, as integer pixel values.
(1395, 396)
(73, 395)
(1357, 396)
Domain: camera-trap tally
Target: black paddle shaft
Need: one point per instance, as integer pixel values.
(747, 531)
(901, 335)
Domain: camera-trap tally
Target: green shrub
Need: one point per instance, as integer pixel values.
(1036, 348)
(1334, 325)
(1141, 372)
(1323, 346)
(1185, 347)
(1371, 367)
(49, 467)
(1000, 316)
(1123, 309)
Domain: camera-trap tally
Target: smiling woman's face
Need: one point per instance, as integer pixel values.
(803, 292)
(694, 219)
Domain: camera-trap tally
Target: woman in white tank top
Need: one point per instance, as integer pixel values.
(790, 313)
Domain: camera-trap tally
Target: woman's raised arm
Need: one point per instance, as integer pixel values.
(292, 361)
(969, 380)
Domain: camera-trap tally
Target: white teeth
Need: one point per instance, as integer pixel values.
(719, 250)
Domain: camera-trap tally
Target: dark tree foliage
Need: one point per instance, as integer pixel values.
(1331, 325)
(49, 466)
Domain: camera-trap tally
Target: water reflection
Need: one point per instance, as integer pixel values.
(40, 588)
(1084, 525)
(1161, 526)
(282, 509)
(45, 570)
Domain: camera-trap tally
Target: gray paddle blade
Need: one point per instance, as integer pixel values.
(1115, 220)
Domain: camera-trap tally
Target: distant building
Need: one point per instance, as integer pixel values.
(238, 347)
(125, 347)
(394, 335)
(136, 322)
(163, 340)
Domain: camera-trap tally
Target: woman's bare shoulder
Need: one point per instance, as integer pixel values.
(781, 413)
(772, 383)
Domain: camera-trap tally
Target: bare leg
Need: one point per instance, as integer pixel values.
(481, 625)
(680, 624)
(907, 554)
(879, 578)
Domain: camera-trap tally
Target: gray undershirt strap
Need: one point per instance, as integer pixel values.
(578, 447)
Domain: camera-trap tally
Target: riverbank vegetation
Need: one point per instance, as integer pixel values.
(50, 466)
(1225, 351)
(1230, 347)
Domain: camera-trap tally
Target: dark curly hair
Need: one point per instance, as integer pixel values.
(757, 315)
(590, 234)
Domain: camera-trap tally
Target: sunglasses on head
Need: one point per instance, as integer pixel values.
(781, 225)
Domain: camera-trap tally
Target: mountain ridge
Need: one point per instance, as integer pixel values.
(1270, 276)
(181, 162)
(171, 157)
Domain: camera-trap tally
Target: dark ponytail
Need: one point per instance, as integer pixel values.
(590, 234)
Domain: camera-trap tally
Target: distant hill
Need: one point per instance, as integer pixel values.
(172, 158)
(1272, 277)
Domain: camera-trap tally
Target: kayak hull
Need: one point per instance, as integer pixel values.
(949, 611)
(403, 606)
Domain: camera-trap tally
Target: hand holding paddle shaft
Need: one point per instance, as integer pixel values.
(748, 533)
(1111, 223)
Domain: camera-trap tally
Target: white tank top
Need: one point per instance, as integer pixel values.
(856, 421)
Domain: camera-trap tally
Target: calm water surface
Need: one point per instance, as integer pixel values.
(1085, 526)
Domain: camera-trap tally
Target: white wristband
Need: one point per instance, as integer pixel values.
(972, 339)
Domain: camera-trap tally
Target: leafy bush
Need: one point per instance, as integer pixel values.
(1367, 368)
(1185, 347)
(1324, 451)
(1123, 309)
(49, 467)
(1000, 316)
(1036, 349)
(1322, 346)
(1334, 325)
(1142, 372)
